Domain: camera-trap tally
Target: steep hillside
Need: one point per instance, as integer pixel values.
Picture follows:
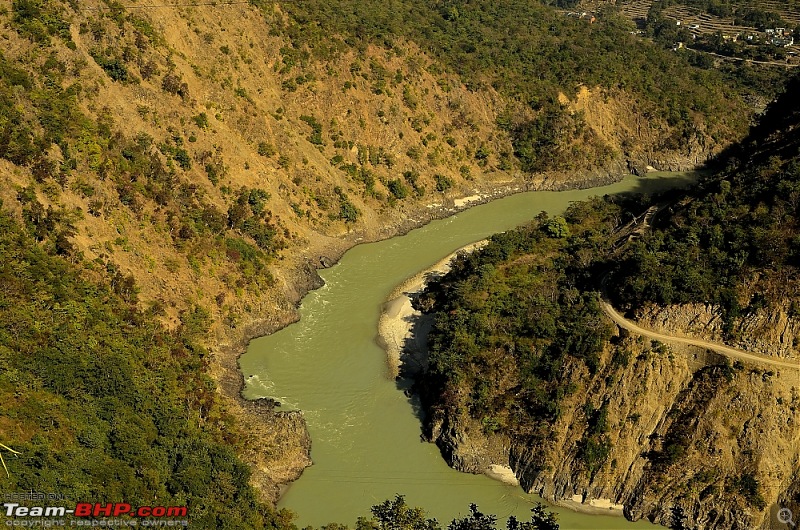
(100, 402)
(194, 145)
(205, 159)
(527, 371)
(734, 244)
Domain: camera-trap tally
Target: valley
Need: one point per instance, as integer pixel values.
(173, 176)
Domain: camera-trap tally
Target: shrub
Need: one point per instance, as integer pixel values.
(201, 120)
(443, 183)
(265, 149)
(113, 67)
(316, 130)
(397, 188)
(172, 83)
(347, 210)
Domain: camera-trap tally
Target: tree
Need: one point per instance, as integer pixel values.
(475, 521)
(397, 188)
(397, 515)
(443, 183)
(540, 520)
(557, 227)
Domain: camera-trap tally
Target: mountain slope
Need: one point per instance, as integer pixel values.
(102, 404)
(734, 243)
(226, 136)
(526, 371)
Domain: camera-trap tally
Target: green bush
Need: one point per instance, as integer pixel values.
(39, 20)
(443, 183)
(347, 210)
(397, 189)
(316, 130)
(115, 68)
(266, 149)
(201, 120)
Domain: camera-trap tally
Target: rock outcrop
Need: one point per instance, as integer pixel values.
(769, 332)
(692, 440)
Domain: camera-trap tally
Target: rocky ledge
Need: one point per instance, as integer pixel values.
(694, 442)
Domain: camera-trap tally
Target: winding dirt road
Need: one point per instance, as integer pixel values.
(732, 353)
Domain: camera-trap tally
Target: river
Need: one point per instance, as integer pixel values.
(365, 435)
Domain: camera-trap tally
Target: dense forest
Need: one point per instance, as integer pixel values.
(102, 402)
(734, 243)
(510, 318)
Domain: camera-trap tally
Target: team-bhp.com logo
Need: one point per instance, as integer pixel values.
(85, 509)
(89, 510)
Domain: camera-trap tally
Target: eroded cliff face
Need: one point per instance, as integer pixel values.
(675, 435)
(278, 446)
(636, 138)
(765, 331)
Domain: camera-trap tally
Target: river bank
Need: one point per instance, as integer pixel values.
(298, 276)
(402, 332)
(272, 475)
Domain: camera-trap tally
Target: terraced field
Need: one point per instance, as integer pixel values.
(701, 23)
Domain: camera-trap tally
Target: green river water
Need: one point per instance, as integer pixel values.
(365, 435)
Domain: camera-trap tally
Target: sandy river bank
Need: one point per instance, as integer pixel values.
(402, 330)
